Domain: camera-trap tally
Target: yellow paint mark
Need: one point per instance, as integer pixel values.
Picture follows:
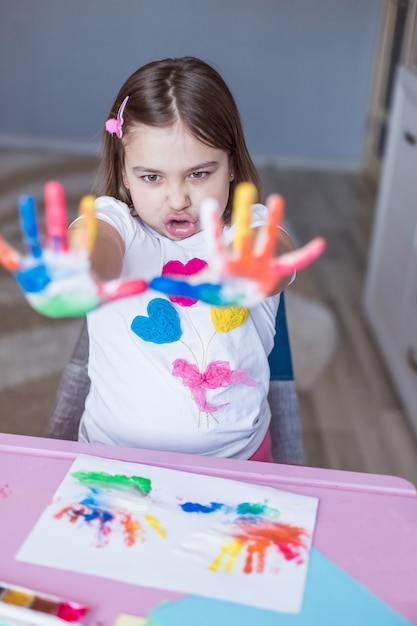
(129, 620)
(152, 521)
(229, 553)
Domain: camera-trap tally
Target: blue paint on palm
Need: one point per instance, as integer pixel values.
(33, 279)
(206, 292)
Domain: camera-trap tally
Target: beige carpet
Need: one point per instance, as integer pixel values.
(34, 349)
(314, 337)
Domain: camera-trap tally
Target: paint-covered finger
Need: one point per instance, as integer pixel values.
(245, 196)
(301, 258)
(29, 226)
(82, 237)
(275, 205)
(56, 216)
(117, 289)
(207, 292)
(213, 229)
(9, 257)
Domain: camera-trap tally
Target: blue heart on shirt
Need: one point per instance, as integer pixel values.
(162, 325)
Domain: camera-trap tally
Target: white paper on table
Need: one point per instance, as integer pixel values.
(151, 540)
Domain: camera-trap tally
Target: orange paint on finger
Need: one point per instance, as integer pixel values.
(9, 257)
(88, 211)
(275, 204)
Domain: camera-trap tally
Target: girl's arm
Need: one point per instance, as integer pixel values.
(107, 254)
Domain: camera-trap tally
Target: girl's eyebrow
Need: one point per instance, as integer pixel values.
(202, 166)
(140, 169)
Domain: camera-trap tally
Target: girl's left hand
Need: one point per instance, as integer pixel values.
(248, 271)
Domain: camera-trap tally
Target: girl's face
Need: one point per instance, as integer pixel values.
(169, 173)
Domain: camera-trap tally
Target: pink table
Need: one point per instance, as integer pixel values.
(379, 550)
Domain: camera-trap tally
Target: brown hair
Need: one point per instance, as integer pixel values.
(185, 89)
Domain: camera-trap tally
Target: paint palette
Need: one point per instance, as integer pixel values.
(20, 606)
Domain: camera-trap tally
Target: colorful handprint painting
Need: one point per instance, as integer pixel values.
(190, 533)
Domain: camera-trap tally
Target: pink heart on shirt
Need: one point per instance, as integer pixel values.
(177, 268)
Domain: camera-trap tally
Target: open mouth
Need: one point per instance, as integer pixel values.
(181, 228)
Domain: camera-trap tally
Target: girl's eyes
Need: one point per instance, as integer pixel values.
(151, 178)
(198, 175)
(156, 178)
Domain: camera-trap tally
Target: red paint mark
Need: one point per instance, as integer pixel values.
(259, 538)
(71, 612)
(73, 512)
(5, 491)
(90, 514)
(106, 521)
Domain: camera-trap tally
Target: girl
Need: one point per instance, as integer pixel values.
(171, 373)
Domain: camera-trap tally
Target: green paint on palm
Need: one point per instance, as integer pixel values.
(114, 481)
(60, 305)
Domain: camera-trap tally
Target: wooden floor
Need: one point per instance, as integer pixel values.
(353, 418)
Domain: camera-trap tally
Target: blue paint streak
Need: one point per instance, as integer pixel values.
(206, 292)
(96, 511)
(195, 507)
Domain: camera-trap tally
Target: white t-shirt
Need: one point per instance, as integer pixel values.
(169, 376)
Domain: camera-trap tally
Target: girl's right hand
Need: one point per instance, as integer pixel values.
(55, 273)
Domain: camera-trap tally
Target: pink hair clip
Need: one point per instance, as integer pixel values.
(115, 125)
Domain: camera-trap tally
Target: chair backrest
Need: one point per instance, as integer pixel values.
(73, 388)
(280, 360)
(285, 427)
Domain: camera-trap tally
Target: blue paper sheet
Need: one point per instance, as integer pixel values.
(331, 597)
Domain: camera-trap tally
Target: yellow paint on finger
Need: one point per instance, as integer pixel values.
(9, 258)
(245, 196)
(83, 233)
(88, 210)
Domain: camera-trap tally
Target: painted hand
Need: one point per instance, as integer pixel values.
(252, 255)
(55, 275)
(248, 271)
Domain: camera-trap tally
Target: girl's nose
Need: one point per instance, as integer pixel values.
(178, 197)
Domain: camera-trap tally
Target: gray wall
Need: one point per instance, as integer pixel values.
(301, 70)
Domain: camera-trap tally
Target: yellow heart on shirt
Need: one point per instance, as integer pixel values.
(228, 318)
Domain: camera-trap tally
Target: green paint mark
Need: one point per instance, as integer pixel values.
(256, 508)
(115, 481)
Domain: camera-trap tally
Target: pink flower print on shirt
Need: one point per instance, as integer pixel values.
(218, 374)
(177, 268)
